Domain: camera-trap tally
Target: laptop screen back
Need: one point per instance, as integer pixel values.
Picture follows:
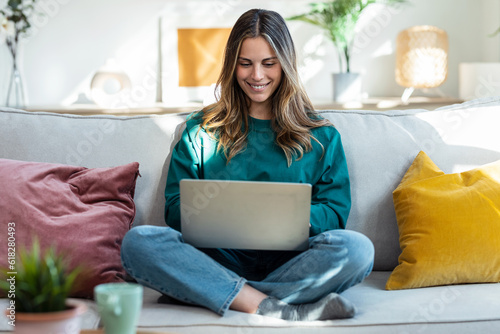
(245, 214)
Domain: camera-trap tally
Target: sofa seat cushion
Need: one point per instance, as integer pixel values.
(449, 309)
(416, 310)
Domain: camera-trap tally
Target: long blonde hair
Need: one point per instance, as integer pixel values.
(292, 112)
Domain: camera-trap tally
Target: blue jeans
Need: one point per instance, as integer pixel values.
(157, 257)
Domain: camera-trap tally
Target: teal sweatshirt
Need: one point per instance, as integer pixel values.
(195, 156)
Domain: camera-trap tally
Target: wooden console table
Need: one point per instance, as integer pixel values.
(101, 331)
(390, 103)
(95, 110)
(376, 103)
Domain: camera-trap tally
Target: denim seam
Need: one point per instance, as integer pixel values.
(159, 289)
(300, 257)
(225, 305)
(297, 259)
(140, 278)
(232, 296)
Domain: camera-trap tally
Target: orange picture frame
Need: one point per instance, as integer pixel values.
(200, 53)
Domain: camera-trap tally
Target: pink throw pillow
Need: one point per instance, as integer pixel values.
(83, 212)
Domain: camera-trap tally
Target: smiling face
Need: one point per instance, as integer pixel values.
(258, 73)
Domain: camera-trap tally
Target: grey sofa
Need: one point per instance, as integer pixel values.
(380, 146)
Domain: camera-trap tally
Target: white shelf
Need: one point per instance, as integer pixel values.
(375, 103)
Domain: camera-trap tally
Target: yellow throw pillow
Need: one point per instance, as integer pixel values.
(449, 226)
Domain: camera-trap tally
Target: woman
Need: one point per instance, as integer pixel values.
(263, 128)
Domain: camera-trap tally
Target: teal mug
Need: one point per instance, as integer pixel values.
(119, 306)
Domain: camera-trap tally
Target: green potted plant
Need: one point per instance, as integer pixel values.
(38, 284)
(338, 18)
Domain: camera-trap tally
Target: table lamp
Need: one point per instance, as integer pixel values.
(421, 58)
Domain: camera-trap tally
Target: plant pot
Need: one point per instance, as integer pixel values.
(346, 87)
(67, 321)
(478, 80)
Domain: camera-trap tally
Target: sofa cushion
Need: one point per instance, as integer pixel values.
(471, 308)
(97, 141)
(378, 311)
(448, 226)
(83, 212)
(380, 147)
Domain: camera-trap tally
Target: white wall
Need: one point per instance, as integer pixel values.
(76, 37)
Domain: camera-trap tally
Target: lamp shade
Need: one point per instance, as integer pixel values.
(421, 57)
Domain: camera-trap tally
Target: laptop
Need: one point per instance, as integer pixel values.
(245, 214)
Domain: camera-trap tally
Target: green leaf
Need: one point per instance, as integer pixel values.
(15, 4)
(338, 19)
(43, 282)
(496, 32)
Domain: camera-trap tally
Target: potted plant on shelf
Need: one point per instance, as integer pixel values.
(338, 19)
(38, 284)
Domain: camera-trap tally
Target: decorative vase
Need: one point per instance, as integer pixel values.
(67, 321)
(15, 91)
(478, 80)
(346, 87)
(111, 86)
